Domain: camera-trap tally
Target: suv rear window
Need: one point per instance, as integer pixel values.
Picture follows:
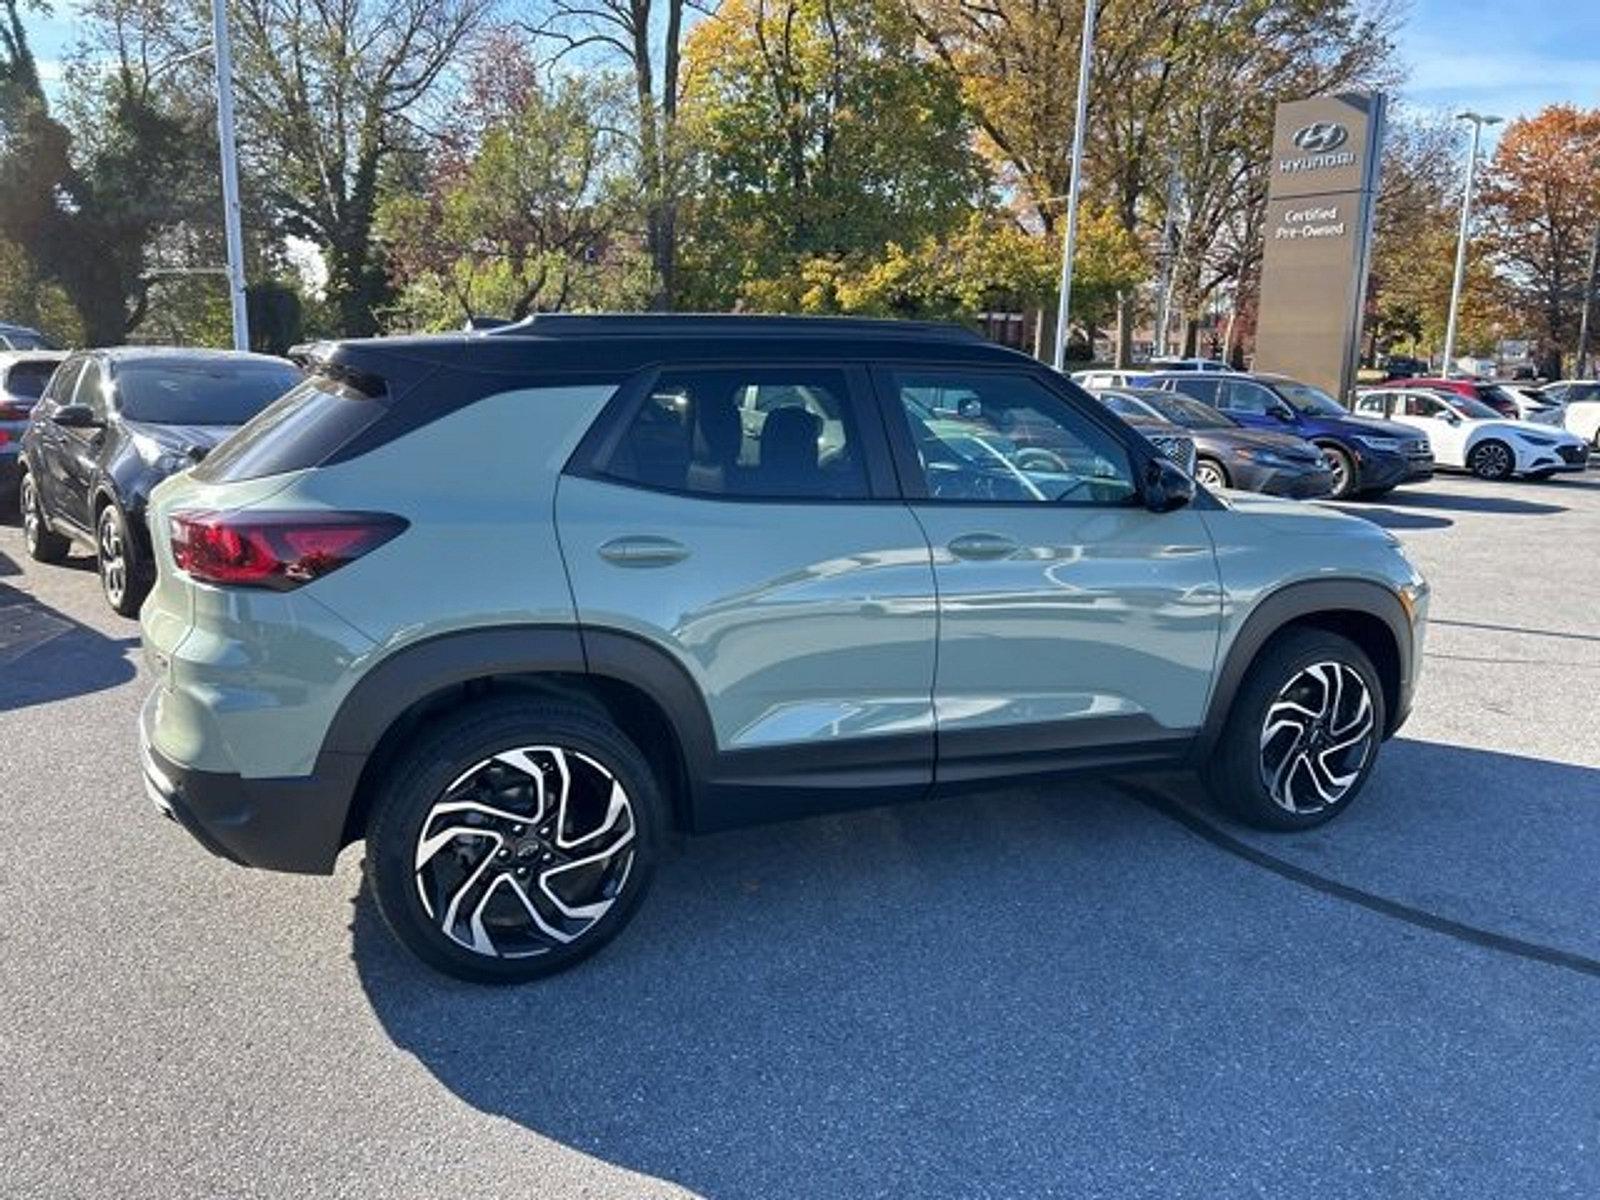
(26, 380)
(300, 429)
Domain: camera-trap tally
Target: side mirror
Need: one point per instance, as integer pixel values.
(77, 416)
(1165, 486)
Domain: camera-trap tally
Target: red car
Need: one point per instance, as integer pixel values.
(1491, 394)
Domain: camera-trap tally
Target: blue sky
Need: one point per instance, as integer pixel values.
(1508, 57)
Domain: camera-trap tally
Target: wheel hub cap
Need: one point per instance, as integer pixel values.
(1317, 737)
(526, 851)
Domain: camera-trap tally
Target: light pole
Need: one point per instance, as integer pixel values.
(1069, 243)
(1581, 368)
(1479, 120)
(230, 174)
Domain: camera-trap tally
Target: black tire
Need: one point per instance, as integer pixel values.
(1246, 768)
(125, 577)
(44, 545)
(438, 765)
(1210, 472)
(1346, 477)
(1492, 459)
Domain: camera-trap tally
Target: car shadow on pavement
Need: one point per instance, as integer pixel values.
(1391, 518)
(45, 656)
(1460, 502)
(1042, 991)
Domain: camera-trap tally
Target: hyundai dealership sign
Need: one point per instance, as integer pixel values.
(1325, 154)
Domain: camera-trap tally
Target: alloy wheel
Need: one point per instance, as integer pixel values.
(1209, 474)
(112, 556)
(525, 852)
(1491, 460)
(29, 503)
(1317, 737)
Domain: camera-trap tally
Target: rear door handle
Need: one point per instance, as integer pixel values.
(643, 551)
(983, 546)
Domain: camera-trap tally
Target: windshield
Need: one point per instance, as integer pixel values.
(200, 393)
(1493, 391)
(1308, 399)
(1582, 391)
(1126, 406)
(1475, 410)
(25, 339)
(1190, 413)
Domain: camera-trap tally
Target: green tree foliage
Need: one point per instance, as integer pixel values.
(820, 133)
(528, 212)
(85, 212)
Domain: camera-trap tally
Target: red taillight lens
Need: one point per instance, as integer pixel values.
(276, 550)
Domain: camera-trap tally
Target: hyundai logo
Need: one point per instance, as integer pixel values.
(1319, 137)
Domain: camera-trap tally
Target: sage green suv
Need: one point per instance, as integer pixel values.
(510, 606)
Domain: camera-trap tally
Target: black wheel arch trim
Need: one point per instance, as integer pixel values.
(1296, 602)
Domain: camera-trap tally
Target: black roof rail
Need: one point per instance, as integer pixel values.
(585, 325)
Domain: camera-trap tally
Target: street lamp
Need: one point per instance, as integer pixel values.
(1582, 364)
(232, 233)
(230, 175)
(1069, 243)
(1479, 120)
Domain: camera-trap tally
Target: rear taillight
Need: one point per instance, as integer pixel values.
(14, 412)
(276, 550)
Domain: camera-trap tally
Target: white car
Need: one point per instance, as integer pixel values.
(1579, 405)
(1469, 435)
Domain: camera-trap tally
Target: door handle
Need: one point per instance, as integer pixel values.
(983, 546)
(643, 551)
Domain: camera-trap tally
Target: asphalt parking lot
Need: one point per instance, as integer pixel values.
(1072, 991)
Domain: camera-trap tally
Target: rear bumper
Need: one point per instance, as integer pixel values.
(291, 824)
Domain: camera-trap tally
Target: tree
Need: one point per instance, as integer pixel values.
(528, 209)
(86, 211)
(820, 133)
(1541, 204)
(331, 94)
(646, 37)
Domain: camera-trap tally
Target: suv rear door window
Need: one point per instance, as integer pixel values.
(755, 432)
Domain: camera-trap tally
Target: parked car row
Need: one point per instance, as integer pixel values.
(110, 425)
(1306, 444)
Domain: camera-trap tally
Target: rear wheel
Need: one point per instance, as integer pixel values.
(1491, 459)
(514, 840)
(43, 545)
(1303, 734)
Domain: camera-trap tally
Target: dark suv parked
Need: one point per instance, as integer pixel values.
(508, 605)
(109, 427)
(1368, 457)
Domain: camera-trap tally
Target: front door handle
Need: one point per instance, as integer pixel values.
(643, 551)
(983, 547)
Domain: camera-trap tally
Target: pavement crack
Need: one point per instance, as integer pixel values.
(1487, 939)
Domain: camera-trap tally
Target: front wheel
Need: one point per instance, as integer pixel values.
(1303, 733)
(1491, 459)
(1345, 479)
(1210, 473)
(123, 576)
(514, 840)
